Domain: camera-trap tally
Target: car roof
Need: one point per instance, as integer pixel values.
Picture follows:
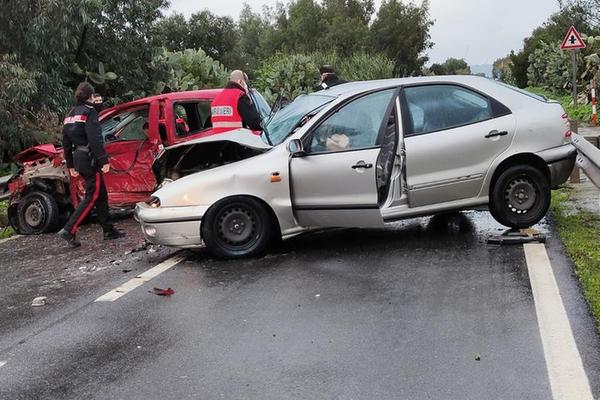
(352, 88)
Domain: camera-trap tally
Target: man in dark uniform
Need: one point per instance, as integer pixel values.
(85, 156)
(233, 108)
(328, 78)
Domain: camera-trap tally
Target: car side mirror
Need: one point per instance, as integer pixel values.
(296, 148)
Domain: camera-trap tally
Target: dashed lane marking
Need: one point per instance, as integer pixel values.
(563, 361)
(10, 238)
(140, 279)
(2, 364)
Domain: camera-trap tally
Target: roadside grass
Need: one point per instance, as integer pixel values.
(581, 113)
(580, 232)
(5, 230)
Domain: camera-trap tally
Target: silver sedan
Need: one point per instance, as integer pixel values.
(360, 155)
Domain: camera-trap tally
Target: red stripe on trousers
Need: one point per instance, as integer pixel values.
(87, 209)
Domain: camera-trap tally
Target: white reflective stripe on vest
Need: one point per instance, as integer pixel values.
(223, 124)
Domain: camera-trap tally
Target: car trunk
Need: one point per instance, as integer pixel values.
(206, 153)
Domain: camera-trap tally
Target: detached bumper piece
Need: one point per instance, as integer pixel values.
(513, 236)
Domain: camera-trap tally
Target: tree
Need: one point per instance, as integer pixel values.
(174, 32)
(501, 70)
(401, 31)
(551, 31)
(217, 36)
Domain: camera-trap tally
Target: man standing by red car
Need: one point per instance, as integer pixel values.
(85, 156)
(233, 108)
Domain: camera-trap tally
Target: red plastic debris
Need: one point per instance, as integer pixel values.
(162, 292)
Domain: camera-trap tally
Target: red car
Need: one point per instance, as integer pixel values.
(42, 193)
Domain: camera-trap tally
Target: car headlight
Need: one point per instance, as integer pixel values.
(154, 202)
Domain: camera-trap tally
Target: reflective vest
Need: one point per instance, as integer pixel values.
(224, 110)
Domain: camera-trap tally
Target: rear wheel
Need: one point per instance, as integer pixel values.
(237, 227)
(37, 213)
(520, 197)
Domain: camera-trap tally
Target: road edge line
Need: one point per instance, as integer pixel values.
(567, 376)
(139, 280)
(10, 238)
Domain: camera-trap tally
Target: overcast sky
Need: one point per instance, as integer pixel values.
(479, 31)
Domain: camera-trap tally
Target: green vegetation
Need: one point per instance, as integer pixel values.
(131, 49)
(5, 230)
(580, 232)
(581, 113)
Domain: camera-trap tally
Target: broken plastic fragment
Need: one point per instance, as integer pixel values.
(162, 292)
(39, 301)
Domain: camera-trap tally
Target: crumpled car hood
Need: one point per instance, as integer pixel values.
(37, 152)
(244, 137)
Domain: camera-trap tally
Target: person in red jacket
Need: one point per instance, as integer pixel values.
(233, 108)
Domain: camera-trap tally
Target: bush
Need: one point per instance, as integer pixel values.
(292, 75)
(286, 75)
(25, 118)
(549, 68)
(189, 70)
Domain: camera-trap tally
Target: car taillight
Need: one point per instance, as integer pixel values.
(154, 202)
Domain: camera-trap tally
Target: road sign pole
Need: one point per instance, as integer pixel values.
(574, 63)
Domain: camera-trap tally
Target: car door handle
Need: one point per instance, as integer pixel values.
(495, 133)
(362, 164)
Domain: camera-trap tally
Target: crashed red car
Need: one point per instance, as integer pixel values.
(42, 194)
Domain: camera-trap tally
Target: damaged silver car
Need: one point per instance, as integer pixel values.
(361, 155)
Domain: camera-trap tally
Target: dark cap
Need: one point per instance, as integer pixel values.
(326, 69)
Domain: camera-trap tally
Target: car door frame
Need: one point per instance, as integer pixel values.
(498, 110)
(366, 215)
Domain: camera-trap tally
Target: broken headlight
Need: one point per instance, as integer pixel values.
(154, 202)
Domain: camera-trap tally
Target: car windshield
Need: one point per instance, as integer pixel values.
(288, 118)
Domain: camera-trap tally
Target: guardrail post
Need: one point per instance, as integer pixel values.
(575, 175)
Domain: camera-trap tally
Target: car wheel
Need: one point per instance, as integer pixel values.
(37, 213)
(237, 227)
(520, 197)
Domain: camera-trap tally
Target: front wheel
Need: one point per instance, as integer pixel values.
(37, 213)
(520, 197)
(237, 227)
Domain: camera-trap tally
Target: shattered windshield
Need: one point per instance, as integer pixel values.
(289, 117)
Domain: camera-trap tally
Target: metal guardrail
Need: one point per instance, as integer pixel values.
(588, 158)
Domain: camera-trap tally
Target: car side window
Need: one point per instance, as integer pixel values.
(192, 117)
(354, 126)
(434, 108)
(126, 126)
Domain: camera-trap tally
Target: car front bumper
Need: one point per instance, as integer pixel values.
(171, 226)
(560, 161)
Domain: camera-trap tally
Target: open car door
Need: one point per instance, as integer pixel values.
(341, 179)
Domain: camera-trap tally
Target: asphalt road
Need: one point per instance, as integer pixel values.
(423, 309)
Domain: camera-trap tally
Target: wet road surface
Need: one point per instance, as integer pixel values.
(397, 313)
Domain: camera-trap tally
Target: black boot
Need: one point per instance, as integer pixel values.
(71, 239)
(111, 233)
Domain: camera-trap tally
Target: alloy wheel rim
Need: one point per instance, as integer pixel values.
(520, 195)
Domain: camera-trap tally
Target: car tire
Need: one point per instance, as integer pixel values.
(237, 227)
(37, 213)
(520, 197)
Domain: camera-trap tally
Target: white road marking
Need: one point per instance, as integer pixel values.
(140, 279)
(10, 238)
(2, 364)
(565, 369)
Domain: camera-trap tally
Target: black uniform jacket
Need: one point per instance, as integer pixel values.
(81, 128)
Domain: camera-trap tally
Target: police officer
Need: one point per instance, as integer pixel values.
(233, 108)
(328, 78)
(85, 156)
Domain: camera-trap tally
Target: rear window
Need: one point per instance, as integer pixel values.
(525, 92)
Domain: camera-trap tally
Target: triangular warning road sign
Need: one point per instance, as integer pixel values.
(572, 40)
